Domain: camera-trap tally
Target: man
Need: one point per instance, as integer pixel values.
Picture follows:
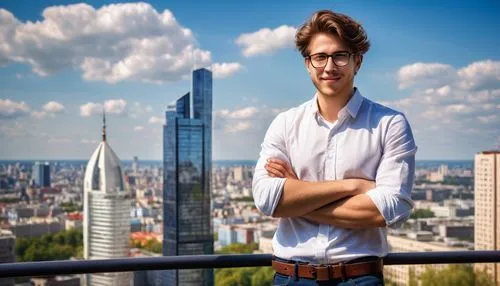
(337, 170)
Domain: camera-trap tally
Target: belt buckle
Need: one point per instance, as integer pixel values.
(316, 268)
(343, 272)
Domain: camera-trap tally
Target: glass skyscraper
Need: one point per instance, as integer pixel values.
(187, 160)
(41, 174)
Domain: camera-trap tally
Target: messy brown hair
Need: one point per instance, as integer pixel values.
(343, 26)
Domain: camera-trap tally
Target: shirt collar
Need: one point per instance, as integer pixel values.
(352, 107)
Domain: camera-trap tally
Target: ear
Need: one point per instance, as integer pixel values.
(358, 59)
(308, 65)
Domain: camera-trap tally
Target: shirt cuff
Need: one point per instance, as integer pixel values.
(393, 206)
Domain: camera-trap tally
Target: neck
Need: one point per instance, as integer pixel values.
(329, 106)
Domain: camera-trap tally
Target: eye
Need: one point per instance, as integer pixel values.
(320, 57)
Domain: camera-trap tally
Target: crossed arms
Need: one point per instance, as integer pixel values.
(349, 203)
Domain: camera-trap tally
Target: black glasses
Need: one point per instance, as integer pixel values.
(320, 60)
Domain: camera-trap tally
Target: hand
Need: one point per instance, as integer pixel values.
(361, 186)
(279, 169)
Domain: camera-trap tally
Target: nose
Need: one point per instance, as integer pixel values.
(330, 66)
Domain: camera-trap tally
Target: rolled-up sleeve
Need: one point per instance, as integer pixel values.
(267, 190)
(396, 173)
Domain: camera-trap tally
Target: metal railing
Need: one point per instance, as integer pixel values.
(51, 268)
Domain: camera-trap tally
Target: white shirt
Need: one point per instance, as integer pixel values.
(367, 141)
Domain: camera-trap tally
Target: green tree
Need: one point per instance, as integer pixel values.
(239, 248)
(9, 200)
(388, 282)
(59, 238)
(234, 276)
(47, 239)
(22, 245)
(155, 247)
(71, 207)
(422, 213)
(57, 246)
(79, 252)
(483, 278)
(413, 281)
(455, 275)
(263, 276)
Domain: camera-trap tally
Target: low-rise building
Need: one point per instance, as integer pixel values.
(422, 241)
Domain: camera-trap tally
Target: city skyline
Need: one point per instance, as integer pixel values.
(438, 64)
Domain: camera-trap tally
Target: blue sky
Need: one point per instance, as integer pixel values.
(438, 62)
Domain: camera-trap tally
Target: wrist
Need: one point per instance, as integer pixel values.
(353, 186)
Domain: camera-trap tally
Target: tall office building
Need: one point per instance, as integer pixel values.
(41, 174)
(487, 207)
(187, 160)
(106, 221)
(135, 165)
(7, 249)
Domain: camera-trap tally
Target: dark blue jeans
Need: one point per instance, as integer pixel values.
(367, 280)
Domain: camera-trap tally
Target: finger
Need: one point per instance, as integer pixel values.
(271, 174)
(285, 165)
(278, 161)
(274, 171)
(278, 167)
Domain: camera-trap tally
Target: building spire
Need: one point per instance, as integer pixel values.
(103, 125)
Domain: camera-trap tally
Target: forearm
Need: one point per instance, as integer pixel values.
(300, 197)
(353, 212)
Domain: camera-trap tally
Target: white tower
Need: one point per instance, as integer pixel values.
(106, 220)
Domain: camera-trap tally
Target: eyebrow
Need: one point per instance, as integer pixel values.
(336, 52)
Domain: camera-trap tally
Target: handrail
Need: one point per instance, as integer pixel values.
(61, 267)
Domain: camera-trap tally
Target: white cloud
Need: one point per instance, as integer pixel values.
(488, 119)
(14, 129)
(50, 108)
(115, 106)
(12, 109)
(91, 108)
(156, 120)
(480, 75)
(453, 103)
(39, 114)
(435, 74)
(116, 42)
(250, 119)
(239, 126)
(222, 70)
(444, 91)
(458, 108)
(53, 107)
(265, 41)
(88, 141)
(242, 113)
(112, 106)
(138, 128)
(137, 109)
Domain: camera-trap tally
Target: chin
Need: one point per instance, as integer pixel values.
(330, 92)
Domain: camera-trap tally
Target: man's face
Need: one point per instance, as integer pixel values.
(331, 79)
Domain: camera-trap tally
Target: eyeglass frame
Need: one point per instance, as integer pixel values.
(331, 56)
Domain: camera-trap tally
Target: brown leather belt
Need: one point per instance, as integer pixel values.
(330, 271)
